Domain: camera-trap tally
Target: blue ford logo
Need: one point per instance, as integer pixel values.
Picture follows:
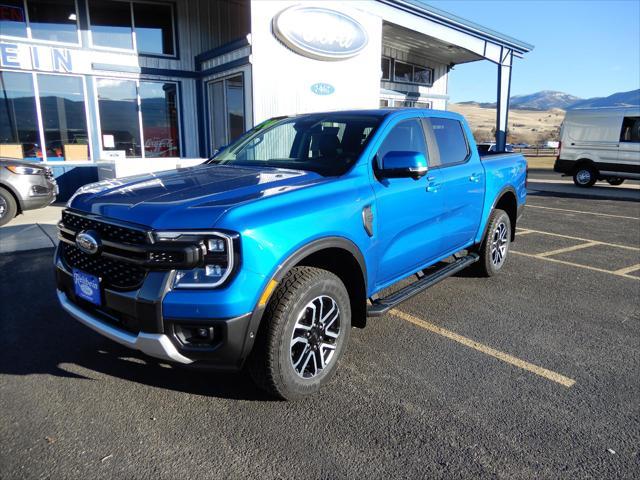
(322, 89)
(320, 33)
(88, 242)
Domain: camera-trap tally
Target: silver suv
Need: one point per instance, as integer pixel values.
(24, 186)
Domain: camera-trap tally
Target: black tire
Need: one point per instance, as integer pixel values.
(8, 207)
(615, 181)
(585, 176)
(279, 343)
(498, 235)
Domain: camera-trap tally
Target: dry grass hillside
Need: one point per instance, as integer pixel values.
(525, 126)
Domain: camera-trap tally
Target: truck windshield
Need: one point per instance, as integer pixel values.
(328, 144)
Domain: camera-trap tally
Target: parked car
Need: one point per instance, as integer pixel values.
(600, 144)
(24, 186)
(486, 148)
(269, 253)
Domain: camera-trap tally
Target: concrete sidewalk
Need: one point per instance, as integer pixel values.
(33, 230)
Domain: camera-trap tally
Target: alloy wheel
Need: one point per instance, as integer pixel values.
(315, 336)
(499, 243)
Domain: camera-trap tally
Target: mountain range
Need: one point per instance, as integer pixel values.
(549, 99)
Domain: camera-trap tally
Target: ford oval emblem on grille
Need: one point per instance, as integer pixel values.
(320, 33)
(88, 242)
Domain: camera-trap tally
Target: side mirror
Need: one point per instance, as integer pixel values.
(404, 165)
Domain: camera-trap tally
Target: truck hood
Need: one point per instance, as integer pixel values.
(188, 198)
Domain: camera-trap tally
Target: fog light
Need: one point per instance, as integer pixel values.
(195, 335)
(202, 332)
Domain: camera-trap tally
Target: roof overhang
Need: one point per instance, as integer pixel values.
(467, 41)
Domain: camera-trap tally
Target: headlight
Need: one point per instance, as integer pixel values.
(22, 170)
(218, 256)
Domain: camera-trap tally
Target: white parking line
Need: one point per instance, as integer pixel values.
(579, 265)
(624, 271)
(583, 212)
(616, 245)
(568, 249)
(492, 352)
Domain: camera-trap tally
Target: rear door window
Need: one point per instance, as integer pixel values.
(630, 130)
(448, 142)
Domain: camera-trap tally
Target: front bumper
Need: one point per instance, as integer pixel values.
(135, 319)
(153, 344)
(34, 191)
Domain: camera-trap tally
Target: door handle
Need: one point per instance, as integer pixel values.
(475, 177)
(433, 187)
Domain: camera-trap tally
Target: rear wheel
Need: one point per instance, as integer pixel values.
(495, 247)
(615, 181)
(304, 332)
(585, 176)
(8, 207)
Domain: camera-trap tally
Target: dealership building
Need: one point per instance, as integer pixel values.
(103, 88)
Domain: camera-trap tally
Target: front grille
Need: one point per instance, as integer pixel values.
(107, 231)
(125, 253)
(114, 274)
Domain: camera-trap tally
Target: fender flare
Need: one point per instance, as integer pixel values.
(317, 245)
(283, 268)
(507, 189)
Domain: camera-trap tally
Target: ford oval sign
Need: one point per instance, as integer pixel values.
(88, 242)
(320, 33)
(322, 89)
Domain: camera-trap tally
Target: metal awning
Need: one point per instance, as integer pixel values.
(449, 39)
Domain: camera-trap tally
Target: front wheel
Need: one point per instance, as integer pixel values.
(8, 207)
(495, 246)
(615, 181)
(304, 332)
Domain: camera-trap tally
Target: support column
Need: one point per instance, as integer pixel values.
(504, 90)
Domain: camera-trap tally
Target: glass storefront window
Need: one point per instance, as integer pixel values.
(64, 119)
(53, 20)
(154, 28)
(114, 22)
(226, 107)
(13, 21)
(235, 107)
(119, 121)
(19, 131)
(408, 73)
(111, 24)
(422, 75)
(403, 72)
(386, 68)
(159, 119)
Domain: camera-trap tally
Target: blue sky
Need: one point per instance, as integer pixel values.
(584, 48)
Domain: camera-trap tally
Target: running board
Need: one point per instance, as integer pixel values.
(380, 306)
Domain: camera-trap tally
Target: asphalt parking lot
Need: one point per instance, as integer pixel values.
(531, 374)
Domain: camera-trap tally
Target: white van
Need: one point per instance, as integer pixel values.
(600, 144)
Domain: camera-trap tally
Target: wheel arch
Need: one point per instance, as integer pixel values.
(582, 161)
(506, 200)
(341, 257)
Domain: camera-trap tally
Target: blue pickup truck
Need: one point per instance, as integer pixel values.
(268, 254)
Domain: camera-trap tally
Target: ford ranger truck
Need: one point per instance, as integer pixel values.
(268, 254)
